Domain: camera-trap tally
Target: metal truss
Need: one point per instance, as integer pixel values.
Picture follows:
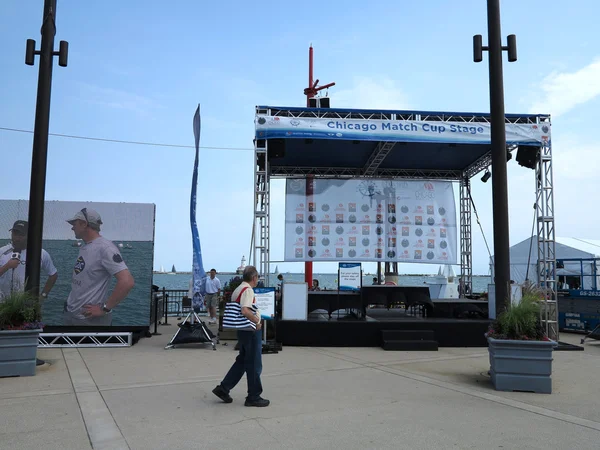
(116, 339)
(466, 250)
(346, 172)
(261, 210)
(546, 240)
(326, 113)
(377, 157)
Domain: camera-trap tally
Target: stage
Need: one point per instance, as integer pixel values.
(319, 332)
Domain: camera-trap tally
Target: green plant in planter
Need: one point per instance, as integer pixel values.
(20, 311)
(232, 286)
(520, 322)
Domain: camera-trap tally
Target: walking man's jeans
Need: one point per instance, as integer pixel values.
(249, 360)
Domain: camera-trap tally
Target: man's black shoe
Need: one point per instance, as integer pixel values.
(220, 392)
(261, 402)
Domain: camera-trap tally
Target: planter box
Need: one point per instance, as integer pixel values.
(18, 350)
(521, 365)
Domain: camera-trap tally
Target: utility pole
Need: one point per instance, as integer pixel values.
(310, 92)
(37, 188)
(499, 158)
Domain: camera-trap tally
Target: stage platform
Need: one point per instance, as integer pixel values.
(346, 331)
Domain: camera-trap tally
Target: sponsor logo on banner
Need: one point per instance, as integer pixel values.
(392, 231)
(312, 207)
(326, 218)
(431, 232)
(312, 241)
(324, 229)
(300, 207)
(340, 242)
(353, 230)
(352, 207)
(312, 229)
(327, 254)
(419, 243)
(340, 207)
(299, 241)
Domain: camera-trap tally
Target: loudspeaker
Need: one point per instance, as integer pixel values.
(527, 156)
(560, 264)
(319, 102)
(276, 148)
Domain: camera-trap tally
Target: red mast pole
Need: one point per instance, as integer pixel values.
(310, 92)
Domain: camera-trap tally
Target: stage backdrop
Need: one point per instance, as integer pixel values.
(370, 220)
(130, 226)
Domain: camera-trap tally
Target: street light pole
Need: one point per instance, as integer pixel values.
(37, 188)
(498, 138)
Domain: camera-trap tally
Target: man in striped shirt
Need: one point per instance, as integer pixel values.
(249, 333)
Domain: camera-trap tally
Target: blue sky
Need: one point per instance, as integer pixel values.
(138, 69)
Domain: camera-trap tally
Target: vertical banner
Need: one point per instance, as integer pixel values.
(350, 277)
(199, 274)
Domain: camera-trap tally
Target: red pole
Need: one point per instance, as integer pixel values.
(308, 265)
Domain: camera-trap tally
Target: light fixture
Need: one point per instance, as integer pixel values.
(486, 176)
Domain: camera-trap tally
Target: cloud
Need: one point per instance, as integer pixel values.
(564, 91)
(371, 93)
(117, 99)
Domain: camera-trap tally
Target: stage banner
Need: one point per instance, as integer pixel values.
(265, 302)
(350, 276)
(199, 274)
(371, 220)
(269, 127)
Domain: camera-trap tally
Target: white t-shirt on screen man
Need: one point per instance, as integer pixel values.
(98, 261)
(14, 279)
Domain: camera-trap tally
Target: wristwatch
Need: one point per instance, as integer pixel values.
(105, 309)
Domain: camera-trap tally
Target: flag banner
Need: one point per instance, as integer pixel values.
(199, 274)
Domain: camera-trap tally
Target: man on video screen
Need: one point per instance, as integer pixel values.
(99, 260)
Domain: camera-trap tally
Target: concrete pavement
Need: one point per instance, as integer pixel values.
(145, 397)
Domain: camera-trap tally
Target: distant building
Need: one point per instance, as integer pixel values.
(240, 269)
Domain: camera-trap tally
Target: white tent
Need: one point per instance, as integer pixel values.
(566, 248)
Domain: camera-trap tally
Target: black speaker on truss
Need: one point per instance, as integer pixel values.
(319, 102)
(276, 148)
(527, 156)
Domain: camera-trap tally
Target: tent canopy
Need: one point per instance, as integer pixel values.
(524, 256)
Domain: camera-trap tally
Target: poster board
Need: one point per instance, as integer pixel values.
(370, 220)
(265, 302)
(349, 276)
(295, 301)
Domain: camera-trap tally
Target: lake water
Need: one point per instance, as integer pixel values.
(326, 280)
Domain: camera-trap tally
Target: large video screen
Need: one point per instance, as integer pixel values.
(370, 220)
(89, 249)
